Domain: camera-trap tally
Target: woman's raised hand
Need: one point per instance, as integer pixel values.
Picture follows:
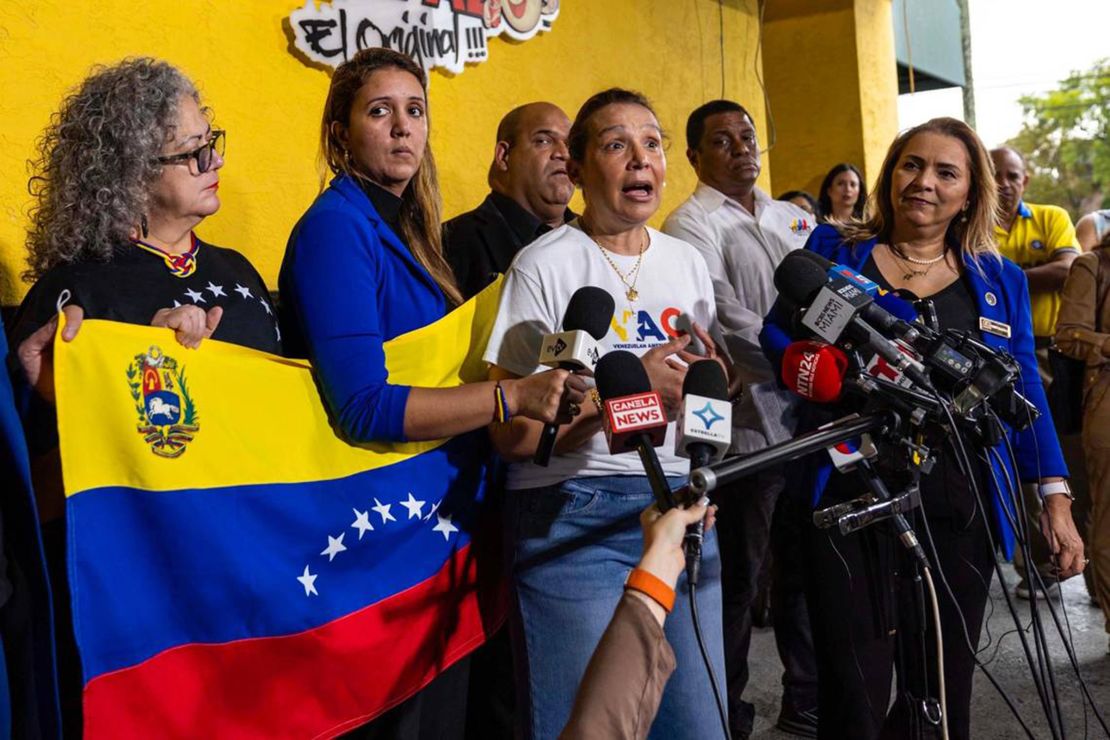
(554, 396)
(190, 324)
(666, 373)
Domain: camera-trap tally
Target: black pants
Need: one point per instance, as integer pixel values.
(867, 617)
(491, 700)
(436, 712)
(748, 524)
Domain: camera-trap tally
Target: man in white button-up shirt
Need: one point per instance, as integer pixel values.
(743, 235)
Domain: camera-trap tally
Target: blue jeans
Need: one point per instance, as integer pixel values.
(570, 548)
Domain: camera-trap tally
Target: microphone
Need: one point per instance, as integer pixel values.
(705, 417)
(815, 370)
(703, 435)
(585, 323)
(634, 417)
(822, 373)
(836, 308)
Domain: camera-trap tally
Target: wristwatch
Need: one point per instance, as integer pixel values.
(1056, 488)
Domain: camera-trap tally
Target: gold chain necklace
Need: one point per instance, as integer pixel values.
(634, 274)
(906, 261)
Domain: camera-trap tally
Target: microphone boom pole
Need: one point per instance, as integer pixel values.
(707, 478)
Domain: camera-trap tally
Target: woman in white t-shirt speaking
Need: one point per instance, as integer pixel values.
(572, 527)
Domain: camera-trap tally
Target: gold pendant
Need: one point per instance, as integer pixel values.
(632, 294)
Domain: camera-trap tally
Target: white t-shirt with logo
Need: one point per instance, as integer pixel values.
(673, 280)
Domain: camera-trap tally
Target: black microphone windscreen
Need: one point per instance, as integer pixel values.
(812, 256)
(706, 378)
(799, 277)
(620, 373)
(590, 310)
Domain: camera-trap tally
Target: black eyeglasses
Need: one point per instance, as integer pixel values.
(202, 154)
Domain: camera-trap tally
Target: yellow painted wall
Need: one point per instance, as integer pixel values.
(878, 81)
(833, 83)
(270, 101)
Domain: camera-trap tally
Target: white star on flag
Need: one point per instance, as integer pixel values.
(362, 522)
(197, 297)
(217, 290)
(415, 506)
(335, 546)
(177, 304)
(445, 526)
(435, 508)
(383, 509)
(243, 290)
(266, 306)
(308, 580)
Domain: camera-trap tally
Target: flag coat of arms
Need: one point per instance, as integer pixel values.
(236, 569)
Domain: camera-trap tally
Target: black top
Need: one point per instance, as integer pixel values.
(135, 284)
(955, 304)
(385, 203)
(945, 491)
(481, 244)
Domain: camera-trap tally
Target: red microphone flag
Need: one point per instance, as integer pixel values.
(814, 370)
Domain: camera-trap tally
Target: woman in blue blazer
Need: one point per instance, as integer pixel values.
(365, 265)
(931, 234)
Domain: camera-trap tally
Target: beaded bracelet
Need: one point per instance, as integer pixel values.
(594, 396)
(500, 405)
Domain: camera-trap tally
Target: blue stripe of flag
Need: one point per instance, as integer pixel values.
(153, 570)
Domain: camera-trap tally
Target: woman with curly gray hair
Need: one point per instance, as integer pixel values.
(127, 169)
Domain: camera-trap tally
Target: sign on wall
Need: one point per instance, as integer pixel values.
(437, 33)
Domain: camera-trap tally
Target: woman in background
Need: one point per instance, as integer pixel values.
(843, 196)
(800, 198)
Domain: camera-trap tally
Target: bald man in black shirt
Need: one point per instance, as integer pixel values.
(530, 190)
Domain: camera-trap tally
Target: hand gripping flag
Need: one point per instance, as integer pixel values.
(236, 569)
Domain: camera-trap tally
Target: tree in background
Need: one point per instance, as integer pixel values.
(1065, 138)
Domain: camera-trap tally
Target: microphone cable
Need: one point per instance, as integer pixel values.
(692, 544)
(940, 652)
(1033, 578)
(1068, 640)
(1065, 635)
(965, 467)
(721, 711)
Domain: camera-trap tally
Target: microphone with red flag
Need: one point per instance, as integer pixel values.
(815, 370)
(634, 416)
(840, 308)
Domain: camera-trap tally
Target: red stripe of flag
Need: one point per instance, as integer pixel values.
(317, 683)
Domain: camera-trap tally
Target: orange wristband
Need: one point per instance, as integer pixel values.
(651, 586)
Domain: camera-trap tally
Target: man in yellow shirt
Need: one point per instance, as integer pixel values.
(1042, 241)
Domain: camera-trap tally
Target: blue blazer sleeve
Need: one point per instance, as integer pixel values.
(335, 282)
(1037, 448)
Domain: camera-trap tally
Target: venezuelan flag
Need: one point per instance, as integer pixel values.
(236, 569)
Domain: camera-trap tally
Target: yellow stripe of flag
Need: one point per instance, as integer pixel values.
(259, 417)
